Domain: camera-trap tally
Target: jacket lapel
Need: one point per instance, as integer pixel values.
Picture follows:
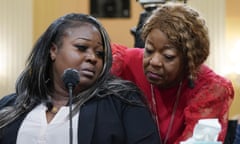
(86, 123)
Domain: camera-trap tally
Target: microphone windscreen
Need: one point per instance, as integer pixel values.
(70, 77)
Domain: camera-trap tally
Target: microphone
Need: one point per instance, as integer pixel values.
(71, 79)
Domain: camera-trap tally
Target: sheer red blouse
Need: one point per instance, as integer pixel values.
(211, 96)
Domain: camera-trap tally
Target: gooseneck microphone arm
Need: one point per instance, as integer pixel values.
(71, 79)
(70, 89)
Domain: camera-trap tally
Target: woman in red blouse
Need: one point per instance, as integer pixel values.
(180, 89)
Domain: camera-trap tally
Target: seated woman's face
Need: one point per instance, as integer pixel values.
(81, 49)
(162, 62)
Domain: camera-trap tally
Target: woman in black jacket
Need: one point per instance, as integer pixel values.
(103, 110)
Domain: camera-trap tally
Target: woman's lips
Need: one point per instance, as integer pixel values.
(87, 72)
(154, 76)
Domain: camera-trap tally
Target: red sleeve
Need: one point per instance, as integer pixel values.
(119, 54)
(212, 100)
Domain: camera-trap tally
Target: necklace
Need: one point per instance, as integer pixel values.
(154, 107)
(54, 110)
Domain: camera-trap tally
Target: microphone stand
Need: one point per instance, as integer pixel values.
(70, 88)
(70, 78)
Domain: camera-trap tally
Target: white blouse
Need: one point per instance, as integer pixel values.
(36, 130)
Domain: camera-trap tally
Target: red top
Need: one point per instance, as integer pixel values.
(210, 98)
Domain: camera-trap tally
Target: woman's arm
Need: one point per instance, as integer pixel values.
(118, 65)
(139, 125)
(212, 100)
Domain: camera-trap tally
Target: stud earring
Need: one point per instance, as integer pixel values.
(52, 58)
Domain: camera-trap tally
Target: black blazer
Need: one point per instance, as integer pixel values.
(108, 120)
